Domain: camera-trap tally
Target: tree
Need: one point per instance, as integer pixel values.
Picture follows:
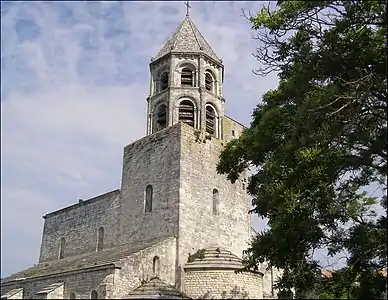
(317, 145)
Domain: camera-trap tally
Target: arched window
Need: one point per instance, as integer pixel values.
(161, 117)
(187, 77)
(72, 296)
(216, 201)
(100, 239)
(156, 266)
(209, 82)
(211, 120)
(148, 199)
(164, 81)
(233, 134)
(93, 295)
(62, 248)
(186, 112)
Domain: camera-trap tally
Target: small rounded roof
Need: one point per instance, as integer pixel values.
(155, 289)
(214, 258)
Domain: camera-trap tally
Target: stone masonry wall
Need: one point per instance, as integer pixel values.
(229, 127)
(199, 227)
(139, 266)
(80, 283)
(79, 225)
(223, 284)
(152, 160)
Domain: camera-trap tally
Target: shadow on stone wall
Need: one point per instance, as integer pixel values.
(235, 293)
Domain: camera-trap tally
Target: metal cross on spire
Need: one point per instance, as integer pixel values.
(187, 8)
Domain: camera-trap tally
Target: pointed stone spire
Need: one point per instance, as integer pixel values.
(187, 39)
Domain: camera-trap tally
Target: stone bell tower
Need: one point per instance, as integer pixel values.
(170, 185)
(186, 84)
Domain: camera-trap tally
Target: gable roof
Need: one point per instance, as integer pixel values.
(108, 258)
(187, 38)
(12, 293)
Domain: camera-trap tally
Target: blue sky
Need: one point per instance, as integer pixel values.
(74, 83)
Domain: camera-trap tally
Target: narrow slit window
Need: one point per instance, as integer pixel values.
(186, 112)
(148, 199)
(156, 266)
(216, 201)
(62, 248)
(100, 239)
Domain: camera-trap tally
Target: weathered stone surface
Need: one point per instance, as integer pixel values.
(232, 129)
(79, 282)
(128, 266)
(187, 38)
(79, 225)
(152, 160)
(155, 289)
(223, 284)
(212, 275)
(199, 227)
(85, 261)
(139, 267)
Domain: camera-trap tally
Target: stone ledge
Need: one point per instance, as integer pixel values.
(81, 203)
(12, 293)
(71, 272)
(50, 288)
(109, 258)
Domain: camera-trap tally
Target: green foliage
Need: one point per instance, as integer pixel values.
(337, 287)
(318, 142)
(200, 254)
(197, 134)
(198, 139)
(30, 273)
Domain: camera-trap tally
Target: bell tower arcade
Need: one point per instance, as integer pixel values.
(186, 84)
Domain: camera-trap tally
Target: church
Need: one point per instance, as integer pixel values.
(175, 229)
